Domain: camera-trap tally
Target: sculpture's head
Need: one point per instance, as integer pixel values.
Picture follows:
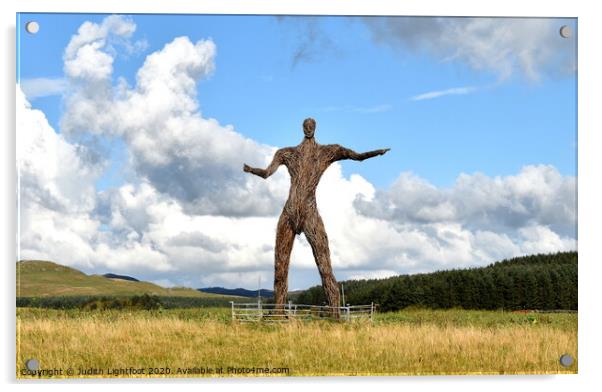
(309, 127)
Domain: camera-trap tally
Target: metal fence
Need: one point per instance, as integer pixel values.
(258, 311)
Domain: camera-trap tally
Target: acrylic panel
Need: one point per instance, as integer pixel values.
(268, 196)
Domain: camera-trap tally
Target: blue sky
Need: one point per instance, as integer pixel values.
(479, 113)
(359, 92)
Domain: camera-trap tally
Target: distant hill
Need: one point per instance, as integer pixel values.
(37, 278)
(542, 282)
(121, 277)
(238, 292)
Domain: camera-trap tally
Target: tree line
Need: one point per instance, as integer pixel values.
(542, 282)
(144, 301)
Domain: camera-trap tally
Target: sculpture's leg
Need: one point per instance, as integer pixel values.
(285, 236)
(318, 240)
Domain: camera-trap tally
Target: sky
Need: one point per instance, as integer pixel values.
(132, 131)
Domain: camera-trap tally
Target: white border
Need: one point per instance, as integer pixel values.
(590, 105)
(309, 7)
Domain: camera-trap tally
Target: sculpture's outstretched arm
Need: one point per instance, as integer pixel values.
(265, 173)
(341, 153)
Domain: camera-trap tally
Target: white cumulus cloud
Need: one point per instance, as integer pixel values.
(57, 197)
(183, 154)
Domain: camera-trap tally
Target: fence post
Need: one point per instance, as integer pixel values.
(371, 310)
(232, 307)
(260, 308)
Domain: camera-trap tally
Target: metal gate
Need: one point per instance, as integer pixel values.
(258, 311)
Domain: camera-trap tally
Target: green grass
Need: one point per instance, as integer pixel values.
(478, 318)
(47, 279)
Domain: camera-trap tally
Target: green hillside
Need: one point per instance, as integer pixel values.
(47, 279)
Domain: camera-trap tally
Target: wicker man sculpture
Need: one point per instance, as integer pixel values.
(305, 163)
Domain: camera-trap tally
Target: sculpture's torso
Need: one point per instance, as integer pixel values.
(305, 163)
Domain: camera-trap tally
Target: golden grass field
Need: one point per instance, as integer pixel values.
(409, 342)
